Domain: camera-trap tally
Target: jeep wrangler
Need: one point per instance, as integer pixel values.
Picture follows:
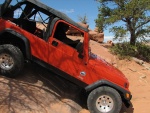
(30, 30)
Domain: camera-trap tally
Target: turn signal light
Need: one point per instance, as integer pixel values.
(127, 95)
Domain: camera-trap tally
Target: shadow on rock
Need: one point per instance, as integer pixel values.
(39, 90)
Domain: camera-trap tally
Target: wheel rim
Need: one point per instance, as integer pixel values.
(104, 103)
(6, 61)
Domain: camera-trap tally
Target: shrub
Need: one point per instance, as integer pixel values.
(125, 50)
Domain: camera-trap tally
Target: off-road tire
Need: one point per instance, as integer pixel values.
(11, 60)
(104, 100)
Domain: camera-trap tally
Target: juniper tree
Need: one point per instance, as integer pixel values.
(134, 14)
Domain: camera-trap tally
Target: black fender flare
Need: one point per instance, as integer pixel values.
(23, 38)
(106, 83)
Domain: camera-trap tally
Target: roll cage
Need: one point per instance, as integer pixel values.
(28, 11)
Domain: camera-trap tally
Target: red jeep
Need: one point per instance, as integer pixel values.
(30, 30)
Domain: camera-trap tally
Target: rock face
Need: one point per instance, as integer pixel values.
(94, 34)
(74, 32)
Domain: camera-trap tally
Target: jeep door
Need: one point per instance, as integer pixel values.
(63, 55)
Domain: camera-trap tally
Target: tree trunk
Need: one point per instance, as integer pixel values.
(130, 26)
(132, 38)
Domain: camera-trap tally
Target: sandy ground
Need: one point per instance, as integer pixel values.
(37, 90)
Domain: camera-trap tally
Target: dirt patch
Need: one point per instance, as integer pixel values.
(37, 90)
(139, 78)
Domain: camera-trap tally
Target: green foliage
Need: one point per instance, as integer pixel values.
(143, 52)
(119, 32)
(83, 19)
(125, 50)
(134, 13)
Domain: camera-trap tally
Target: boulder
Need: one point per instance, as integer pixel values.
(73, 32)
(96, 36)
(110, 42)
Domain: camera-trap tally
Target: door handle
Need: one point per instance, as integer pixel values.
(54, 43)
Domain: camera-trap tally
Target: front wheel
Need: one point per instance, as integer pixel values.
(104, 100)
(11, 60)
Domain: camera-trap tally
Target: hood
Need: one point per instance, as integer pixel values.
(106, 71)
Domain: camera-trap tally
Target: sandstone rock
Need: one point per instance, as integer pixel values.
(96, 36)
(138, 61)
(110, 42)
(40, 26)
(73, 32)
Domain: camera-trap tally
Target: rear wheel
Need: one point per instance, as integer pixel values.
(104, 100)
(11, 60)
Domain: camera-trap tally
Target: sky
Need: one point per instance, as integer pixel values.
(77, 8)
